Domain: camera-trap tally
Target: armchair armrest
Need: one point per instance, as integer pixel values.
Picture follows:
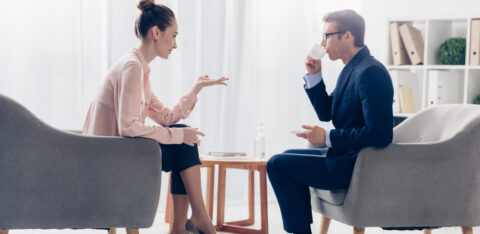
(56, 179)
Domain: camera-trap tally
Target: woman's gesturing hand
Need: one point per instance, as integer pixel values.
(190, 136)
(204, 81)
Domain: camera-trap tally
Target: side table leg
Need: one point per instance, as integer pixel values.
(263, 198)
(169, 208)
(251, 197)
(221, 197)
(210, 186)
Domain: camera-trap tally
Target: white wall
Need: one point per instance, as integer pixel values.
(377, 12)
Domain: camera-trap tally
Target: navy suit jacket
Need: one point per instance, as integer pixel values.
(360, 108)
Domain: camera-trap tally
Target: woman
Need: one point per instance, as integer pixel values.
(126, 99)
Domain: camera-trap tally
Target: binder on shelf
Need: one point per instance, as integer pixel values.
(413, 40)
(406, 100)
(399, 53)
(475, 43)
(444, 87)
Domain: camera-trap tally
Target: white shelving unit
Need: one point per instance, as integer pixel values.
(416, 77)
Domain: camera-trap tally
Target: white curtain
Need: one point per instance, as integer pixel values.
(54, 54)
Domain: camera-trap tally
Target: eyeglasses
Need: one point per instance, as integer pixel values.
(326, 35)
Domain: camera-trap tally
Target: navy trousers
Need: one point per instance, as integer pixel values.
(176, 158)
(291, 174)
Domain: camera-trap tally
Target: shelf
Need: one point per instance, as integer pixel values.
(405, 67)
(473, 89)
(433, 83)
(418, 24)
(409, 79)
(445, 87)
(447, 67)
(439, 67)
(438, 32)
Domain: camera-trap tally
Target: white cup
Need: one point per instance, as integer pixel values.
(317, 52)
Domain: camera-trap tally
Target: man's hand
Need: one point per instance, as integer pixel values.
(313, 66)
(315, 135)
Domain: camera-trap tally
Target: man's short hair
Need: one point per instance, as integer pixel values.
(348, 20)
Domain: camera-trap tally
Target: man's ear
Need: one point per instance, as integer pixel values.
(348, 35)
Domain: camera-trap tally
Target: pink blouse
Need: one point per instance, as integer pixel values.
(126, 99)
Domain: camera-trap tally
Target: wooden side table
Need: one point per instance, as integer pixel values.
(223, 163)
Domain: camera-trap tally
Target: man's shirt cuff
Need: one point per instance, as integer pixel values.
(312, 79)
(328, 143)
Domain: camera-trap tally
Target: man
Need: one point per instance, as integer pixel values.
(360, 108)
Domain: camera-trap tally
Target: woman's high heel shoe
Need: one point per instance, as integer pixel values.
(189, 227)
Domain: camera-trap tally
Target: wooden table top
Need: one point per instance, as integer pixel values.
(231, 160)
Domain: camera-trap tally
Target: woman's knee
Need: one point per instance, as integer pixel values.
(185, 148)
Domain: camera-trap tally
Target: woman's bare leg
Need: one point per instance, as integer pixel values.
(180, 212)
(192, 182)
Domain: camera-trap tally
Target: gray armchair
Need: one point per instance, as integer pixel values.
(428, 176)
(53, 179)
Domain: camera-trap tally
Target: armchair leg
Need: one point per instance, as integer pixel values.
(324, 224)
(467, 230)
(358, 230)
(132, 231)
(3, 231)
(427, 231)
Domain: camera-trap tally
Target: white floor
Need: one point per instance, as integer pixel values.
(239, 212)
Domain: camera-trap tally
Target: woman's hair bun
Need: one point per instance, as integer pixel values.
(146, 4)
(152, 15)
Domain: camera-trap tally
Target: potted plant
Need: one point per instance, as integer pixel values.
(452, 51)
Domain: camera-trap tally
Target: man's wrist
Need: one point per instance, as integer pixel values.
(311, 80)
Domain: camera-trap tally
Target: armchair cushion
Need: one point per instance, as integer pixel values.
(334, 197)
